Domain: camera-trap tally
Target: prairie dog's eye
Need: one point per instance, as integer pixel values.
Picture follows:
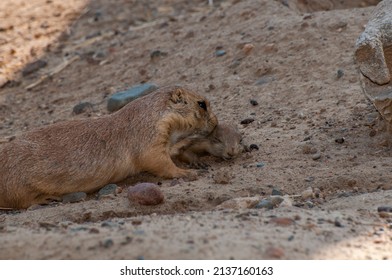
(202, 105)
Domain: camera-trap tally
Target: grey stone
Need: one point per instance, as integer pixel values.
(265, 80)
(82, 107)
(316, 156)
(384, 209)
(120, 99)
(220, 53)
(264, 203)
(276, 192)
(107, 190)
(339, 73)
(33, 67)
(74, 197)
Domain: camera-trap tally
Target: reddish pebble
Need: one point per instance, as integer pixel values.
(247, 49)
(274, 253)
(145, 194)
(284, 222)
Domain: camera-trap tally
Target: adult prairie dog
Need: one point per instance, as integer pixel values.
(84, 155)
(225, 141)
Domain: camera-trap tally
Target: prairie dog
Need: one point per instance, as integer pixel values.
(84, 155)
(225, 141)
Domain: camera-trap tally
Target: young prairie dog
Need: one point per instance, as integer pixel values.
(225, 141)
(84, 155)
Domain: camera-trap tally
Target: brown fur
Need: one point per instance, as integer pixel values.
(84, 155)
(225, 141)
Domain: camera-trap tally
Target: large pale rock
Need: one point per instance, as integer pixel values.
(373, 55)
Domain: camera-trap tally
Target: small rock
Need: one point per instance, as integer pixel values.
(247, 48)
(338, 223)
(339, 140)
(284, 222)
(239, 203)
(264, 80)
(276, 192)
(82, 108)
(264, 203)
(274, 253)
(260, 164)
(108, 190)
(309, 179)
(220, 53)
(145, 194)
(120, 99)
(253, 147)
(107, 243)
(309, 204)
(33, 67)
(157, 54)
(74, 197)
(339, 73)
(384, 209)
(247, 121)
(222, 177)
(306, 194)
(253, 102)
(316, 156)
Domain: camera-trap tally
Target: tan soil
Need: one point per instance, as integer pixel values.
(303, 107)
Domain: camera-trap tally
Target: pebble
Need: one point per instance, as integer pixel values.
(108, 190)
(74, 197)
(276, 192)
(284, 222)
(264, 80)
(247, 121)
(316, 156)
(120, 99)
(33, 67)
(309, 204)
(220, 53)
(247, 48)
(260, 164)
(384, 209)
(338, 223)
(156, 54)
(253, 147)
(264, 203)
(339, 140)
(253, 102)
(339, 73)
(306, 194)
(274, 253)
(107, 243)
(145, 194)
(82, 107)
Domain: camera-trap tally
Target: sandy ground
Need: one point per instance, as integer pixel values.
(314, 128)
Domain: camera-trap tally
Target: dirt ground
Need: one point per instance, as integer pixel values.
(315, 130)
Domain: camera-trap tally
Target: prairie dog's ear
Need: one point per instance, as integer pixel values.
(178, 96)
